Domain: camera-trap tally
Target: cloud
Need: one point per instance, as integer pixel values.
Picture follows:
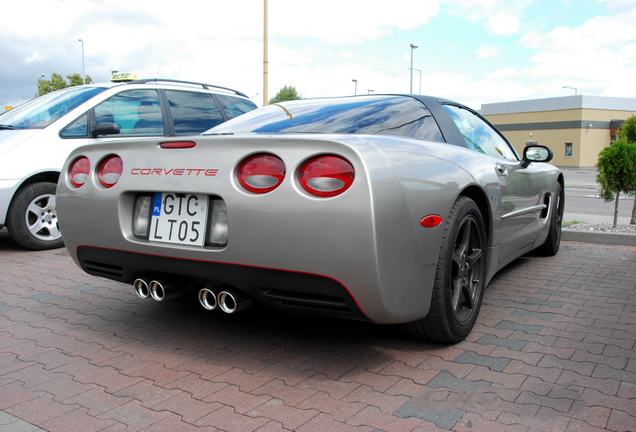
(503, 73)
(504, 22)
(617, 6)
(348, 55)
(339, 22)
(486, 52)
(601, 50)
(500, 17)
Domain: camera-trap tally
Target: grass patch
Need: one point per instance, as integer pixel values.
(571, 223)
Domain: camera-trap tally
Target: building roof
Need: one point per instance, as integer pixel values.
(560, 103)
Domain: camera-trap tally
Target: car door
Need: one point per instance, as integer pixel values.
(522, 191)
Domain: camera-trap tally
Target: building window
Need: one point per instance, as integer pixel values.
(568, 149)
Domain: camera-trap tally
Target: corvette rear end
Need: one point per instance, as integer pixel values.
(317, 225)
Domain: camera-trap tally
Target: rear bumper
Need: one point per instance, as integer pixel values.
(284, 290)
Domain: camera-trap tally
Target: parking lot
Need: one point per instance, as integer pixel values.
(553, 350)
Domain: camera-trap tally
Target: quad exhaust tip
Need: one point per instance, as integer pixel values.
(141, 288)
(231, 301)
(162, 290)
(207, 298)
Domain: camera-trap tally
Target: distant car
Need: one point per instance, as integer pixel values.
(37, 137)
(391, 209)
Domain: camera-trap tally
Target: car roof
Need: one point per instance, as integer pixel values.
(166, 82)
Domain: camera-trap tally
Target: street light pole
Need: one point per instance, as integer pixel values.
(355, 93)
(83, 69)
(413, 46)
(573, 88)
(420, 78)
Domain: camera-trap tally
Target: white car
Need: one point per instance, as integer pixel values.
(37, 137)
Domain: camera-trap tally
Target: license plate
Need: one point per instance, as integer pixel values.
(179, 218)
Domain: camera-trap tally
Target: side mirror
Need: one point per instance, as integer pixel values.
(105, 129)
(536, 153)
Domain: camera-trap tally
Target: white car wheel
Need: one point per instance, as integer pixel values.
(32, 219)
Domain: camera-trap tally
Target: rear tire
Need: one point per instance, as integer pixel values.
(459, 284)
(32, 217)
(553, 241)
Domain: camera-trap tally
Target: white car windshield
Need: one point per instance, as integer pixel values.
(40, 112)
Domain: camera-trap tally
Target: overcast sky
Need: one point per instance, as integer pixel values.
(471, 51)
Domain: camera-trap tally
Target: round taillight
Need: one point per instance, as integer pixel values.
(326, 176)
(261, 173)
(110, 170)
(78, 173)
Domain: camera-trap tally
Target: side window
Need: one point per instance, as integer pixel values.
(479, 135)
(192, 112)
(77, 129)
(137, 112)
(411, 119)
(234, 107)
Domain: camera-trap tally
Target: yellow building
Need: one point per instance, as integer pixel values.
(576, 128)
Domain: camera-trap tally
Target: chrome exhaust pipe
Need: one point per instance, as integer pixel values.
(231, 301)
(161, 290)
(207, 298)
(141, 288)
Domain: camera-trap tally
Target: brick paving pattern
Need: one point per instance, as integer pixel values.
(553, 350)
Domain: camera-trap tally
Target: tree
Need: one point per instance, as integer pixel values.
(57, 83)
(285, 94)
(76, 79)
(628, 130)
(617, 172)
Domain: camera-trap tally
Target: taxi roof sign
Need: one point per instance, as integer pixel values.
(124, 77)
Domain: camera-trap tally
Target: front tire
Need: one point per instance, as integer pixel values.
(32, 217)
(460, 277)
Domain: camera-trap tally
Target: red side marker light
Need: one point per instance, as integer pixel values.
(431, 221)
(177, 144)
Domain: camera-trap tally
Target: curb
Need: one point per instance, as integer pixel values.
(612, 239)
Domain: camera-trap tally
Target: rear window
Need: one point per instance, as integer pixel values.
(234, 107)
(375, 115)
(192, 112)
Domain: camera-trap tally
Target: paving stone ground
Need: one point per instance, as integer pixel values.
(553, 350)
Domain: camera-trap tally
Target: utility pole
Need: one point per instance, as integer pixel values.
(83, 69)
(265, 62)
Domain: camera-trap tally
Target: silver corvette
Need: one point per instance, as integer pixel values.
(392, 209)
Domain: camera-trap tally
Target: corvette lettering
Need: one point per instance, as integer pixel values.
(174, 171)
